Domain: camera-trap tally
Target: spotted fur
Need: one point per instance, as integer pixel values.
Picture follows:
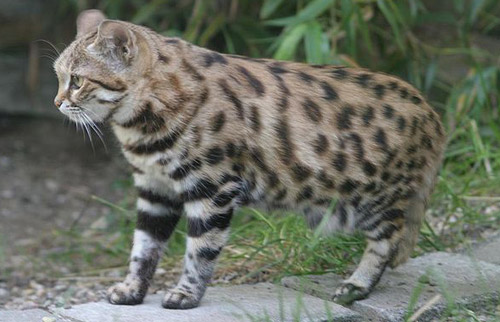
(206, 133)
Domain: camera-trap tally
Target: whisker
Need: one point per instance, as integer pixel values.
(96, 129)
(82, 116)
(50, 44)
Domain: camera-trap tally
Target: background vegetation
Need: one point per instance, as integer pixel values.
(450, 50)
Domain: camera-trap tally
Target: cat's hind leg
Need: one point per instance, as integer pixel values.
(383, 228)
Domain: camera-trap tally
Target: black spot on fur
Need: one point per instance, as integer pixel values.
(182, 171)
(272, 179)
(348, 186)
(379, 91)
(277, 69)
(255, 118)
(300, 172)
(339, 73)
(416, 100)
(370, 187)
(283, 133)
(157, 198)
(325, 180)
(159, 227)
(253, 81)
(339, 161)
(330, 94)
(344, 117)
(388, 111)
(164, 59)
(192, 71)
(258, 158)
(172, 41)
(320, 144)
(159, 145)
(393, 85)
(401, 123)
(403, 93)
(214, 156)
(203, 189)
(228, 92)
(306, 77)
(213, 58)
(358, 146)
(217, 122)
(305, 194)
(363, 79)
(369, 168)
(208, 254)
(231, 150)
(380, 138)
(368, 115)
(280, 195)
(426, 141)
(199, 226)
(283, 99)
(385, 176)
(147, 121)
(312, 110)
(414, 125)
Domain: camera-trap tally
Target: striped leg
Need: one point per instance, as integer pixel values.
(157, 217)
(208, 230)
(383, 232)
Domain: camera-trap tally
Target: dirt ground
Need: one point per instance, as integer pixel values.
(48, 173)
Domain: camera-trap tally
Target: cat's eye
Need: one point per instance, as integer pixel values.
(76, 81)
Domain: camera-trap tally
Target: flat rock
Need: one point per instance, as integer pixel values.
(257, 302)
(488, 251)
(33, 315)
(433, 280)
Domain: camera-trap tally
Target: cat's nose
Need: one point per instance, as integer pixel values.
(58, 102)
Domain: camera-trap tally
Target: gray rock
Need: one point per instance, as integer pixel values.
(488, 252)
(4, 294)
(260, 302)
(433, 280)
(33, 315)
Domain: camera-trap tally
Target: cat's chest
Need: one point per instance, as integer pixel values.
(153, 170)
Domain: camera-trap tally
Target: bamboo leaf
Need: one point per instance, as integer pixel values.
(311, 11)
(289, 42)
(215, 25)
(390, 17)
(269, 7)
(313, 42)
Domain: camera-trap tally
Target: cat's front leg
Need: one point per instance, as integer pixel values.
(208, 231)
(157, 216)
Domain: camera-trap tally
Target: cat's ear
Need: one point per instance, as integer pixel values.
(116, 41)
(88, 21)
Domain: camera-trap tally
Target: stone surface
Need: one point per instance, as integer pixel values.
(455, 278)
(260, 302)
(488, 251)
(34, 315)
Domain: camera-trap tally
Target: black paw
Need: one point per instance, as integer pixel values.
(180, 299)
(126, 293)
(348, 293)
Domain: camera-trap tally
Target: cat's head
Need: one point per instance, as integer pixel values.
(101, 68)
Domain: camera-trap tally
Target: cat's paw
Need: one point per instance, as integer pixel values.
(127, 293)
(179, 299)
(348, 293)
